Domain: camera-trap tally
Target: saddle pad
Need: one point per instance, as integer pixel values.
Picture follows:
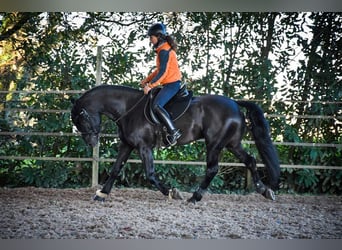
(176, 107)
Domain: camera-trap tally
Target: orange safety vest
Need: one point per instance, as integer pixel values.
(167, 67)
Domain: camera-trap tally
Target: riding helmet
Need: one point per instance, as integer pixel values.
(157, 29)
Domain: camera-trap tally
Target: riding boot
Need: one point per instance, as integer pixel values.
(173, 133)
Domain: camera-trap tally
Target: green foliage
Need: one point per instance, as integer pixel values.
(306, 178)
(45, 174)
(312, 181)
(34, 173)
(241, 55)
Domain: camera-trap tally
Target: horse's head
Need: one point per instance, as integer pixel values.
(88, 123)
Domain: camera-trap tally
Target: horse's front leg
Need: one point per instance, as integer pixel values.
(123, 154)
(147, 161)
(212, 169)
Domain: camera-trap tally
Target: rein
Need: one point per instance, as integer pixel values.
(128, 111)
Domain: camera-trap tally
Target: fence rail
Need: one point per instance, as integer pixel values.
(57, 111)
(166, 162)
(68, 92)
(61, 133)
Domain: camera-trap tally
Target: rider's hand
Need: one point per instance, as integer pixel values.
(146, 89)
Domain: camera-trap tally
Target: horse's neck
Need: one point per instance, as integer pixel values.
(116, 102)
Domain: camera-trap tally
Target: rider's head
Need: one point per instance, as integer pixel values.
(157, 30)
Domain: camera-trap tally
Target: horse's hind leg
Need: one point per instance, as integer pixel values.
(250, 163)
(147, 160)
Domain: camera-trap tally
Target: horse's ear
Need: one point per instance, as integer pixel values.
(73, 100)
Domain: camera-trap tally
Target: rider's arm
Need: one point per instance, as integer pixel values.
(162, 71)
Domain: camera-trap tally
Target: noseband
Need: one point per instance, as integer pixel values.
(86, 116)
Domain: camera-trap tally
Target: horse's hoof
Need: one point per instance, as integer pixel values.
(261, 188)
(175, 194)
(192, 200)
(269, 194)
(99, 196)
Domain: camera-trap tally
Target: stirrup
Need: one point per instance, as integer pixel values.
(172, 138)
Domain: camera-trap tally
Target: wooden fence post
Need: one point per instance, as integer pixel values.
(96, 149)
(249, 183)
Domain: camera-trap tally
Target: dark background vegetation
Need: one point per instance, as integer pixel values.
(289, 63)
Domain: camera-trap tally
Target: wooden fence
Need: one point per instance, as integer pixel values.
(96, 159)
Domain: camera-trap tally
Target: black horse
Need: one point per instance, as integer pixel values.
(215, 118)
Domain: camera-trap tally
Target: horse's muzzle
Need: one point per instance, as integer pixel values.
(91, 139)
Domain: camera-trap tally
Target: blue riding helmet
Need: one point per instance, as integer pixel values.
(157, 29)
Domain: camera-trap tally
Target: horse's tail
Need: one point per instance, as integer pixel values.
(261, 134)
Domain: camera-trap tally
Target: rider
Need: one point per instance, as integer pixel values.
(167, 75)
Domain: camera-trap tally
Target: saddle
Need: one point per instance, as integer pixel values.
(176, 107)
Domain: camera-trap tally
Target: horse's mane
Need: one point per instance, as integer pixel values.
(107, 87)
(103, 88)
(111, 88)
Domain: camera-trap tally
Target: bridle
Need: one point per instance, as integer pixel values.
(86, 115)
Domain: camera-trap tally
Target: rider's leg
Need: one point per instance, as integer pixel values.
(164, 95)
(174, 133)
